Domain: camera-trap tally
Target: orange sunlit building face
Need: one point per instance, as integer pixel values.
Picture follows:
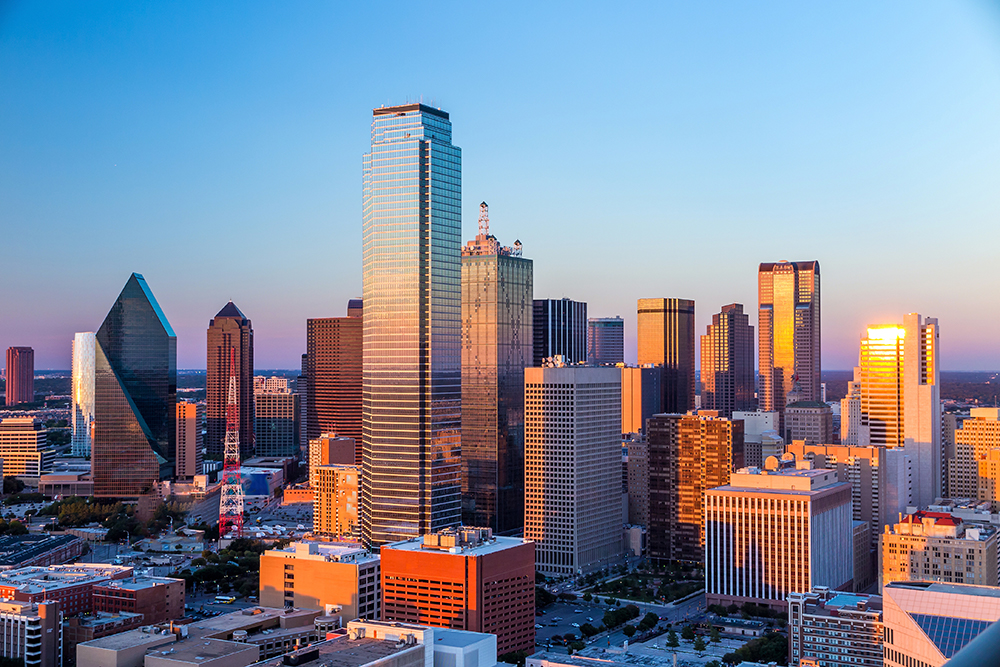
(464, 579)
(665, 331)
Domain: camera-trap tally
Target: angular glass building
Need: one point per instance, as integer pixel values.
(497, 344)
(135, 395)
(411, 385)
(83, 393)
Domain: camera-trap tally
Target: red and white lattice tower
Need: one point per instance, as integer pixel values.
(231, 504)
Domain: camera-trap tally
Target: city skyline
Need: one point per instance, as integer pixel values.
(796, 132)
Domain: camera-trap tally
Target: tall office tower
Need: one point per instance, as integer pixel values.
(772, 533)
(333, 375)
(688, 454)
(335, 500)
(638, 482)
(979, 435)
(927, 623)
(412, 379)
(605, 341)
(24, 448)
(811, 421)
(642, 396)
(135, 395)
(82, 414)
(464, 579)
(302, 389)
(727, 381)
(559, 326)
(189, 440)
(850, 412)
(229, 330)
(789, 334)
(880, 479)
(276, 417)
(937, 546)
(666, 338)
(950, 423)
(20, 375)
(900, 398)
(496, 347)
(573, 467)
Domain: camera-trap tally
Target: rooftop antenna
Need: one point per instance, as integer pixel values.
(484, 219)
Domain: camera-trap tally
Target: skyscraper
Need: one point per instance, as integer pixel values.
(20, 375)
(559, 326)
(333, 376)
(642, 396)
(412, 380)
(666, 338)
(276, 417)
(135, 395)
(727, 362)
(189, 439)
(82, 414)
(979, 435)
(900, 398)
(229, 330)
(496, 347)
(605, 341)
(789, 332)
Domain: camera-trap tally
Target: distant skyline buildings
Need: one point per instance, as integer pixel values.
(82, 394)
(20, 375)
(412, 387)
(559, 328)
(665, 337)
(333, 374)
(230, 331)
(727, 365)
(605, 341)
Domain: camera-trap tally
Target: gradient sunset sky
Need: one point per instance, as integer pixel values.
(656, 150)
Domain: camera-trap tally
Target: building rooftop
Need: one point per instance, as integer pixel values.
(40, 579)
(404, 108)
(599, 657)
(342, 651)
(335, 552)
(951, 589)
(250, 618)
(100, 619)
(17, 549)
(199, 650)
(139, 637)
(140, 583)
(466, 541)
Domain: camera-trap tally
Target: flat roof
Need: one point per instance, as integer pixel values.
(403, 108)
(198, 650)
(954, 589)
(595, 657)
(37, 579)
(140, 583)
(16, 549)
(238, 620)
(498, 543)
(456, 638)
(130, 639)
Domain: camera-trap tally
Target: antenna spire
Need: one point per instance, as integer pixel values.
(484, 219)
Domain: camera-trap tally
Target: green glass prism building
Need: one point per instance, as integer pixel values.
(411, 395)
(135, 395)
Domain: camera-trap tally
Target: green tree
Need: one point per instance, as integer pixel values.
(17, 528)
(588, 630)
(629, 630)
(715, 636)
(587, 597)
(12, 484)
(699, 644)
(688, 632)
(672, 639)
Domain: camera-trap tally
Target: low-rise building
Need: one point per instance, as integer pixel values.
(84, 628)
(156, 598)
(24, 447)
(314, 574)
(832, 629)
(66, 484)
(811, 421)
(32, 632)
(70, 585)
(936, 546)
(38, 549)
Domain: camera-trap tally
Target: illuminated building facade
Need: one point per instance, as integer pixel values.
(412, 380)
(24, 448)
(573, 467)
(666, 339)
(727, 381)
(642, 396)
(788, 332)
(229, 331)
(975, 442)
(335, 500)
(333, 375)
(82, 414)
(135, 397)
(189, 440)
(938, 546)
(834, 629)
(497, 345)
(688, 454)
(605, 341)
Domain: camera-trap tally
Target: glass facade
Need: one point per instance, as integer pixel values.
(229, 331)
(497, 345)
(727, 362)
(135, 395)
(559, 326)
(665, 332)
(83, 393)
(605, 341)
(411, 385)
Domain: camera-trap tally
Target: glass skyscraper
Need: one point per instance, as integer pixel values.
(83, 393)
(559, 326)
(411, 396)
(135, 397)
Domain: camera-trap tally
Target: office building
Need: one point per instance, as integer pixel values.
(302, 389)
(789, 342)
(466, 579)
(666, 339)
(605, 341)
(937, 546)
(276, 419)
(638, 481)
(497, 344)
(313, 574)
(727, 378)
(831, 628)
(158, 599)
(333, 375)
(329, 450)
(412, 380)
(230, 337)
(24, 450)
(135, 394)
(755, 425)
(642, 396)
(32, 633)
(880, 479)
(688, 454)
(573, 467)
(20, 375)
(900, 398)
(559, 327)
(850, 412)
(72, 586)
(771, 533)
(927, 623)
(335, 500)
(82, 391)
(79, 629)
(38, 549)
(972, 445)
(189, 440)
(810, 421)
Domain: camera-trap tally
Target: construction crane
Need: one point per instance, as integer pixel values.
(231, 502)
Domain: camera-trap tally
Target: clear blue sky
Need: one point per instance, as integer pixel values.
(656, 150)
